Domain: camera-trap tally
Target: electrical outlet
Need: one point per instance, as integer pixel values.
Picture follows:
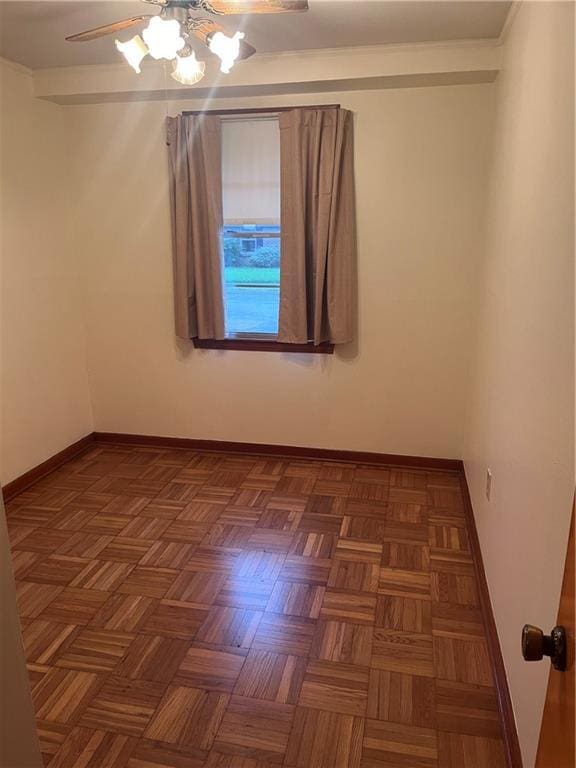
(488, 483)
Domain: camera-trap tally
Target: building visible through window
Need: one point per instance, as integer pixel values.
(251, 236)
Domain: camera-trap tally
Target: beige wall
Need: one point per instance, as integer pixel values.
(19, 746)
(43, 377)
(421, 156)
(522, 416)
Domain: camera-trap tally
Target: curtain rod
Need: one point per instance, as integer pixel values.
(258, 110)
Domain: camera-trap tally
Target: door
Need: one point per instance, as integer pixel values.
(556, 746)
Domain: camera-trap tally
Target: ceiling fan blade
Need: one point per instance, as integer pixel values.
(108, 29)
(203, 28)
(258, 6)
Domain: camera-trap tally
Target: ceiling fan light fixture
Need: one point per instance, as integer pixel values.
(133, 50)
(226, 48)
(188, 70)
(163, 38)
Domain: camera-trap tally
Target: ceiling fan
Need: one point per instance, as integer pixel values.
(168, 33)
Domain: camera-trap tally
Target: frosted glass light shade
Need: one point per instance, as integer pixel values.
(227, 48)
(188, 70)
(133, 50)
(162, 36)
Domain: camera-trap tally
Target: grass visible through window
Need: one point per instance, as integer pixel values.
(251, 278)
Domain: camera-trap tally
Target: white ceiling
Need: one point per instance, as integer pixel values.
(32, 33)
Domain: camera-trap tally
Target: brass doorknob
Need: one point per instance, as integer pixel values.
(536, 645)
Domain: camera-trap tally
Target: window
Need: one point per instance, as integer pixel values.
(251, 237)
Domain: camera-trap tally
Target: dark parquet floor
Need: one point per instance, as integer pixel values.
(203, 610)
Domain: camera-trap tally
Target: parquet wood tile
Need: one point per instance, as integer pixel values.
(465, 708)
(354, 607)
(106, 523)
(188, 609)
(271, 677)
(156, 754)
(141, 527)
(404, 613)
(51, 737)
(196, 587)
(245, 593)
(150, 582)
(219, 760)
(394, 581)
(259, 564)
(363, 528)
(368, 491)
(94, 650)
(126, 550)
(296, 599)
(173, 618)
(343, 642)
(408, 557)
(457, 621)
(168, 554)
(240, 516)
(279, 519)
(466, 661)
(124, 613)
(44, 540)
(401, 698)
(291, 635)
(315, 545)
(211, 668)
(18, 532)
(88, 748)
(56, 569)
(123, 706)
(254, 728)
(44, 640)
(229, 626)
(24, 562)
(102, 575)
(453, 588)
(81, 544)
(62, 695)
(321, 739)
(271, 540)
(212, 560)
(308, 570)
(127, 505)
(188, 717)
(457, 750)
(33, 598)
(186, 531)
(348, 575)
(406, 652)
(152, 658)
(333, 687)
(201, 512)
(400, 512)
(391, 745)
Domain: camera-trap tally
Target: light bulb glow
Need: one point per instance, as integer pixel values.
(133, 50)
(162, 36)
(188, 70)
(227, 48)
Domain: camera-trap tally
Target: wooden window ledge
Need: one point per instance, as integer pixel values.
(255, 345)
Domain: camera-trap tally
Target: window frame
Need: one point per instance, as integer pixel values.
(261, 342)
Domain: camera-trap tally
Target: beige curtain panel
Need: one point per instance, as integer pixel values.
(317, 271)
(195, 167)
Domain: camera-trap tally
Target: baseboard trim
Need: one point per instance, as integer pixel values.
(506, 711)
(289, 451)
(22, 483)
